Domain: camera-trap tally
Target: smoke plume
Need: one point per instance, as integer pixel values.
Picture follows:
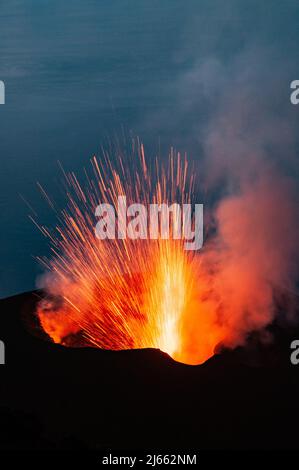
(250, 172)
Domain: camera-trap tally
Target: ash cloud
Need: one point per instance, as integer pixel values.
(248, 167)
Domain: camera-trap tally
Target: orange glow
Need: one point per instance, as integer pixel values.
(125, 294)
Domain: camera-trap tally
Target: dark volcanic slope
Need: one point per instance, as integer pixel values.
(56, 397)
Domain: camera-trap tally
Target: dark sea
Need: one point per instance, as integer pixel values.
(81, 74)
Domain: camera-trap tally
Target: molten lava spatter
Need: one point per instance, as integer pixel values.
(122, 293)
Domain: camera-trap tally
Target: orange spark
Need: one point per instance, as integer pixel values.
(122, 293)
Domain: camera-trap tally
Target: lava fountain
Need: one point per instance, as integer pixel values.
(122, 293)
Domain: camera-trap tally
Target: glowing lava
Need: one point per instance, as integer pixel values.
(122, 293)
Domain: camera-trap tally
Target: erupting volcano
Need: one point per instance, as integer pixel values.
(152, 293)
